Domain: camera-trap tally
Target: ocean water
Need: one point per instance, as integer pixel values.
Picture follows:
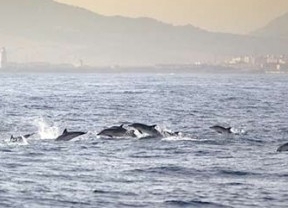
(199, 169)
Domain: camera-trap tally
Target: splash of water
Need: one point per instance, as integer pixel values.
(46, 131)
(180, 138)
(139, 135)
(239, 131)
(24, 141)
(169, 135)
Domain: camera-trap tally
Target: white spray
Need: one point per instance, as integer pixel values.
(46, 131)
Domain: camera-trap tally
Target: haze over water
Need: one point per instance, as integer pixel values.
(200, 169)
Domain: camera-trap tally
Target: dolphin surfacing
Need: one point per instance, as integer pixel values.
(67, 136)
(170, 134)
(283, 148)
(20, 138)
(117, 131)
(146, 129)
(221, 129)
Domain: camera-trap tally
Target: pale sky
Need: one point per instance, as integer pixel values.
(235, 16)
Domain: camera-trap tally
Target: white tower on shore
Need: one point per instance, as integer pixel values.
(3, 57)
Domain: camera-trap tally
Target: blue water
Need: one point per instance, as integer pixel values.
(200, 169)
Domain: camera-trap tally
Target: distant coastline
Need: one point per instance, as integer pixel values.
(180, 68)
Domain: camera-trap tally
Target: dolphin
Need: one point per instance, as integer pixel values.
(283, 147)
(20, 138)
(146, 129)
(171, 134)
(117, 131)
(67, 136)
(221, 129)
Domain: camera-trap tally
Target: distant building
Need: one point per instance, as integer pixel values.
(3, 57)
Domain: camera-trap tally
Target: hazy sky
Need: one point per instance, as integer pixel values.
(236, 16)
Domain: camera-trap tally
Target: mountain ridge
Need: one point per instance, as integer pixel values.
(55, 32)
(277, 28)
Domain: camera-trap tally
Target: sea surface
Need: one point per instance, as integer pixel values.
(200, 168)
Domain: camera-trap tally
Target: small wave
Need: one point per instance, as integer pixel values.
(35, 154)
(14, 165)
(145, 155)
(193, 203)
(5, 150)
(123, 193)
(132, 204)
(255, 140)
(237, 173)
(234, 184)
(168, 170)
(202, 153)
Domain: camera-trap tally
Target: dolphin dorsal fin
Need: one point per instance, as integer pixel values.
(229, 129)
(121, 126)
(65, 131)
(153, 126)
(11, 136)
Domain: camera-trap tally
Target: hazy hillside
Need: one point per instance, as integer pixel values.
(43, 30)
(278, 28)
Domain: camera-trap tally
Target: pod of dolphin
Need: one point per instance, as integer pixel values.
(150, 131)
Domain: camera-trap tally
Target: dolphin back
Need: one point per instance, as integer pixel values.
(69, 136)
(28, 135)
(221, 129)
(20, 138)
(283, 148)
(229, 129)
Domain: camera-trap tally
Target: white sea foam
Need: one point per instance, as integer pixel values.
(238, 131)
(179, 138)
(24, 141)
(46, 130)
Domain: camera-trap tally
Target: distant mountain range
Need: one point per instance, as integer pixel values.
(44, 30)
(277, 28)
